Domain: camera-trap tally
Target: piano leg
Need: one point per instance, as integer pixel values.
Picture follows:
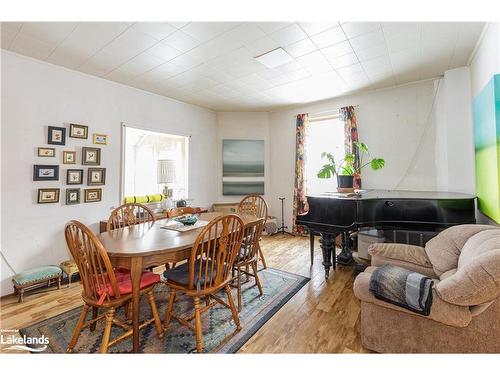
(327, 242)
(311, 245)
(345, 256)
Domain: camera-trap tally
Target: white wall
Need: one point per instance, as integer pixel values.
(37, 94)
(243, 125)
(398, 124)
(486, 59)
(454, 132)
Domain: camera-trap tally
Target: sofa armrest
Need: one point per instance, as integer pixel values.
(441, 311)
(410, 257)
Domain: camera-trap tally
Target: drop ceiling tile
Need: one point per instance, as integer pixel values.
(163, 51)
(330, 37)
(85, 41)
(31, 47)
(402, 41)
(48, 32)
(352, 72)
(204, 31)
(367, 40)
(185, 61)
(397, 28)
(247, 32)
(130, 42)
(178, 25)
(344, 60)
(372, 52)
(7, 38)
(301, 48)
(181, 41)
(313, 28)
(13, 27)
(337, 50)
(270, 27)
(353, 29)
(262, 45)
(288, 35)
(141, 64)
(158, 30)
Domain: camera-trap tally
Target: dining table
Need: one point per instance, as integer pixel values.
(142, 246)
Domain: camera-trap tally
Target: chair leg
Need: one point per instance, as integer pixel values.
(78, 329)
(94, 315)
(198, 328)
(154, 312)
(257, 280)
(233, 308)
(238, 288)
(261, 256)
(168, 311)
(107, 330)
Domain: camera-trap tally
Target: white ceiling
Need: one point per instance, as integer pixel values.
(212, 64)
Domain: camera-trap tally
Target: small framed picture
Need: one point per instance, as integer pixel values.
(74, 176)
(45, 172)
(91, 156)
(92, 195)
(56, 136)
(100, 139)
(78, 131)
(69, 157)
(48, 195)
(72, 196)
(96, 176)
(46, 152)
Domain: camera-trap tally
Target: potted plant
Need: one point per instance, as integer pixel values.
(346, 169)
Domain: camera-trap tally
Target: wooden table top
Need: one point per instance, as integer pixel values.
(144, 240)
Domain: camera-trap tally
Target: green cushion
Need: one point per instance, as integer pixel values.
(35, 274)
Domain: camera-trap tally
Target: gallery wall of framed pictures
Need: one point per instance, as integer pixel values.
(74, 175)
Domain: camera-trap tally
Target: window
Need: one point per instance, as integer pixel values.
(143, 149)
(323, 136)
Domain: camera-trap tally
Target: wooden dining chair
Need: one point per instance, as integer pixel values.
(129, 214)
(255, 205)
(179, 211)
(104, 287)
(247, 256)
(208, 271)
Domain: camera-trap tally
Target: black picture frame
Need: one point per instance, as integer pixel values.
(86, 150)
(102, 176)
(55, 132)
(80, 178)
(69, 192)
(42, 172)
(73, 131)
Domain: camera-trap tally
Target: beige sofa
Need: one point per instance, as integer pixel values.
(464, 262)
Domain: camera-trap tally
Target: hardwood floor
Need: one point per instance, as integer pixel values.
(323, 317)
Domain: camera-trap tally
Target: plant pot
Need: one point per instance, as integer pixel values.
(345, 184)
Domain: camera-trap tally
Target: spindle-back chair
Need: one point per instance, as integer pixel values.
(129, 214)
(208, 271)
(104, 287)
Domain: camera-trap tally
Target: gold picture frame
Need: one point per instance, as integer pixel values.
(46, 152)
(78, 131)
(100, 139)
(69, 157)
(92, 195)
(48, 195)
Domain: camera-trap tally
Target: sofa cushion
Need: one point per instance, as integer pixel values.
(444, 249)
(477, 279)
(441, 311)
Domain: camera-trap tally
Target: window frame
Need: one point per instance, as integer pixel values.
(123, 144)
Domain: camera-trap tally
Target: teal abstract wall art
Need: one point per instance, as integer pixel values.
(486, 114)
(242, 167)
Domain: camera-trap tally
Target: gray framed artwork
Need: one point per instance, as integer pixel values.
(242, 166)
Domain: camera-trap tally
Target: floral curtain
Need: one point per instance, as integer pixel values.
(351, 135)
(299, 193)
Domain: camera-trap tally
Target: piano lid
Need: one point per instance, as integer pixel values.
(394, 194)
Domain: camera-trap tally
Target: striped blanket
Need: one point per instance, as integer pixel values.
(403, 288)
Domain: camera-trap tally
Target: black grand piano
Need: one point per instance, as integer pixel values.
(333, 214)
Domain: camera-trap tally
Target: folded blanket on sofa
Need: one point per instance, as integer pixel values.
(404, 288)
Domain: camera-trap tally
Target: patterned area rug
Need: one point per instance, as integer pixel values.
(219, 334)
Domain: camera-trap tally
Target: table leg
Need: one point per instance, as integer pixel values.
(327, 242)
(136, 274)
